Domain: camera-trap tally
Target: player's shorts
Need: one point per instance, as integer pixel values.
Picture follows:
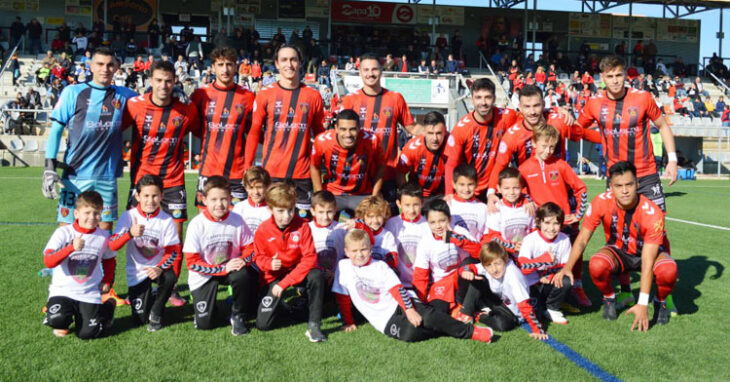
(629, 262)
(651, 187)
(238, 192)
(174, 202)
(73, 187)
(304, 192)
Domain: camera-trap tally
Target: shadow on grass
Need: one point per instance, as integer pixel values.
(674, 193)
(692, 272)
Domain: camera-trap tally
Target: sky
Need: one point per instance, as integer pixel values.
(710, 20)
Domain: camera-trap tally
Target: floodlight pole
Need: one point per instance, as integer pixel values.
(631, 17)
(524, 35)
(534, 28)
(720, 35)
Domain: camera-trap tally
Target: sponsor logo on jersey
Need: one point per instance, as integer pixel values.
(367, 293)
(81, 266)
(137, 303)
(105, 110)
(211, 108)
(177, 214)
(147, 245)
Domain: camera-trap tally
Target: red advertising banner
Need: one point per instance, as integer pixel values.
(370, 12)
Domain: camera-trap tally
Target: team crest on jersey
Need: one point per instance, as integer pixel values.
(238, 107)
(295, 236)
(388, 112)
(362, 160)
(116, 103)
(367, 293)
(659, 226)
(81, 267)
(177, 121)
(146, 245)
(553, 175)
(304, 107)
(218, 253)
(64, 211)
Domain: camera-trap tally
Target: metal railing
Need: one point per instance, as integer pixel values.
(12, 52)
(483, 61)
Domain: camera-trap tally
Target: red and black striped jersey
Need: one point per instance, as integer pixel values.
(289, 119)
(381, 114)
(630, 229)
(157, 138)
(476, 144)
(348, 171)
(516, 145)
(427, 166)
(625, 127)
(225, 114)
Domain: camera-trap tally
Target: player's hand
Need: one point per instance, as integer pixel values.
(518, 245)
(136, 230)
(641, 317)
(671, 172)
(558, 278)
(275, 263)
(153, 272)
(105, 288)
(276, 291)
(349, 328)
(50, 179)
(78, 243)
(567, 116)
(545, 280)
(492, 200)
(413, 317)
(570, 219)
(470, 276)
(235, 265)
(539, 336)
(417, 130)
(530, 208)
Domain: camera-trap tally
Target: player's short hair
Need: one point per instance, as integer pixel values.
(465, 170)
(549, 210)
(433, 118)
(373, 205)
(256, 174)
(410, 189)
(483, 84)
(509, 173)
(529, 91)
(437, 205)
(620, 168)
(323, 198)
(544, 131)
(91, 199)
(492, 251)
(223, 53)
(370, 56)
(611, 62)
(102, 51)
(348, 115)
(281, 195)
(290, 46)
(149, 180)
(216, 181)
(356, 236)
(165, 66)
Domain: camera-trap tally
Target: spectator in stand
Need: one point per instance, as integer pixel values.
(650, 52)
(131, 79)
(552, 76)
(35, 32)
(457, 42)
(131, 49)
(529, 80)
(679, 84)
(256, 71)
(710, 107)
(514, 70)
(515, 100)
(56, 43)
(66, 63)
(33, 99)
(434, 67)
(679, 107)
(725, 116)
(49, 59)
(699, 107)
(441, 44)
(638, 52)
(181, 63)
(423, 68)
(390, 64)
(139, 65)
(314, 52)
(41, 75)
(59, 72)
(153, 34)
(323, 74)
(81, 42)
(244, 73)
(496, 59)
(720, 105)
(620, 49)
(268, 79)
(452, 66)
(701, 87)
(650, 86)
(679, 68)
(404, 64)
(588, 82)
(661, 69)
(278, 38)
(194, 51)
(350, 65)
(17, 29)
(221, 38)
(540, 78)
(552, 99)
(120, 77)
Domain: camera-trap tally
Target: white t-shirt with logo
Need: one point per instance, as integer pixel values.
(329, 243)
(79, 275)
(471, 215)
(511, 288)
(439, 257)
(534, 246)
(514, 223)
(407, 234)
(252, 215)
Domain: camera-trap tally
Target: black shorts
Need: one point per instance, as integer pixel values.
(628, 261)
(651, 187)
(304, 191)
(174, 202)
(238, 192)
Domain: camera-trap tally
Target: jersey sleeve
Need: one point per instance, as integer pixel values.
(169, 235)
(197, 103)
(318, 116)
(652, 110)
(652, 224)
(578, 186)
(318, 149)
(337, 285)
(192, 239)
(594, 213)
(65, 106)
(192, 119)
(257, 122)
(128, 115)
(586, 118)
(406, 118)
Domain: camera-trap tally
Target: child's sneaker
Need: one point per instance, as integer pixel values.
(482, 334)
(238, 325)
(579, 294)
(609, 309)
(61, 332)
(176, 300)
(458, 315)
(624, 300)
(557, 317)
(155, 324)
(314, 332)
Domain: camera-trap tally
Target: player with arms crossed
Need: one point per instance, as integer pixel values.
(290, 114)
(635, 241)
(92, 111)
(225, 111)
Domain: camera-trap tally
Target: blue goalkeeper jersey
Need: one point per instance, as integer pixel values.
(93, 116)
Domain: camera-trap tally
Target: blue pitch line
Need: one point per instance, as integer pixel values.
(27, 223)
(577, 359)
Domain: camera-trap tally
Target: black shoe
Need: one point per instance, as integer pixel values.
(609, 309)
(314, 332)
(238, 325)
(661, 313)
(155, 324)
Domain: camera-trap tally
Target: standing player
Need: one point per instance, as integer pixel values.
(635, 241)
(623, 117)
(353, 161)
(290, 114)
(381, 110)
(225, 111)
(161, 123)
(475, 137)
(92, 111)
(423, 160)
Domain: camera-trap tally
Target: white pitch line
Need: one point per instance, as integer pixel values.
(699, 224)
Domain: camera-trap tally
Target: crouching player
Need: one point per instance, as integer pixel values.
(377, 293)
(494, 288)
(286, 256)
(85, 270)
(218, 251)
(511, 223)
(635, 241)
(327, 233)
(154, 254)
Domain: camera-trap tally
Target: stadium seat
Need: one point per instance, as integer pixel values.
(16, 144)
(31, 145)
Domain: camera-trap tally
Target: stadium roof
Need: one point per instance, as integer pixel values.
(671, 8)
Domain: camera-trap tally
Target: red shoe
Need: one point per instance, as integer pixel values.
(579, 294)
(482, 334)
(113, 295)
(458, 315)
(176, 300)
